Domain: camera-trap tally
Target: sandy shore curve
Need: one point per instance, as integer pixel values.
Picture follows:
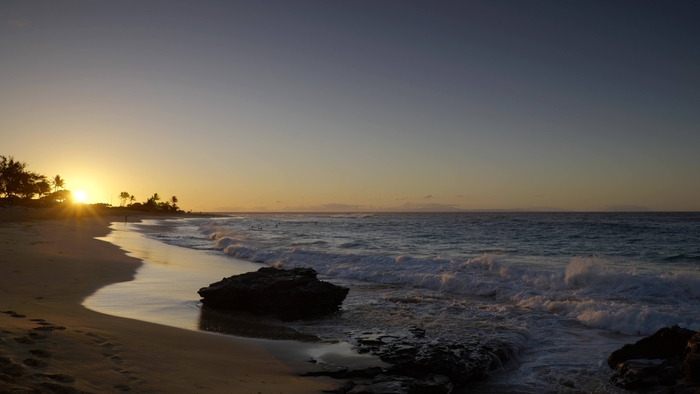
(49, 341)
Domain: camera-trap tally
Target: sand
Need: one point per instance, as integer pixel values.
(48, 266)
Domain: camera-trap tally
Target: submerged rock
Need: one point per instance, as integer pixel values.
(419, 365)
(287, 294)
(669, 358)
(461, 362)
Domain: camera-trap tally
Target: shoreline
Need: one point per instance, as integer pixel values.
(164, 287)
(48, 267)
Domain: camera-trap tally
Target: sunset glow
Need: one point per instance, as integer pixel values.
(346, 106)
(79, 196)
(435, 192)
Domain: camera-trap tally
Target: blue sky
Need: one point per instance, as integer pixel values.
(362, 105)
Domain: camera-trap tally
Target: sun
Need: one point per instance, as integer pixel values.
(79, 196)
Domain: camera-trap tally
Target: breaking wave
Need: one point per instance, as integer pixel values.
(587, 289)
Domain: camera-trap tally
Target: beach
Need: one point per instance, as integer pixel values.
(536, 288)
(116, 297)
(49, 266)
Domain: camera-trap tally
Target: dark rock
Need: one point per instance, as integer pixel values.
(633, 375)
(691, 364)
(665, 343)
(391, 387)
(345, 373)
(457, 362)
(668, 358)
(287, 294)
(461, 362)
(417, 331)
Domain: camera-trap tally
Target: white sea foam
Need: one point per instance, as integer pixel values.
(587, 289)
(512, 279)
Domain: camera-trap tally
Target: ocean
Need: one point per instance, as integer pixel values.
(558, 291)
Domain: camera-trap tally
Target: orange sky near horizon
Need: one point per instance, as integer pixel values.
(357, 107)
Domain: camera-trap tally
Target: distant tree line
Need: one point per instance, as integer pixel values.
(152, 203)
(20, 186)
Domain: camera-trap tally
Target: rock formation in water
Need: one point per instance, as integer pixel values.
(420, 365)
(287, 294)
(670, 357)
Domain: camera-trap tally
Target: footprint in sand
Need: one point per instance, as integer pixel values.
(49, 328)
(111, 350)
(24, 340)
(59, 388)
(14, 314)
(40, 353)
(36, 335)
(11, 368)
(60, 377)
(33, 362)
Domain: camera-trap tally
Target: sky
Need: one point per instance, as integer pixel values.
(358, 105)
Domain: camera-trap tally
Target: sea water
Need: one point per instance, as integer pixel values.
(559, 291)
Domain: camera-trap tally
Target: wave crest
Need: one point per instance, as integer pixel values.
(587, 289)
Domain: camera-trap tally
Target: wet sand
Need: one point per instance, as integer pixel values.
(47, 338)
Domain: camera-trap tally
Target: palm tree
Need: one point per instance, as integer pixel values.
(153, 200)
(132, 198)
(123, 196)
(173, 200)
(58, 182)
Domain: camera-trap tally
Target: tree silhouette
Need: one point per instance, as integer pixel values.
(153, 200)
(61, 196)
(123, 196)
(58, 182)
(16, 180)
(132, 198)
(44, 187)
